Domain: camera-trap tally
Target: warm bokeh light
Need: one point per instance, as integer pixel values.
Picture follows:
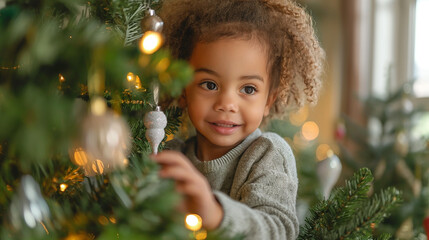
(193, 222)
(61, 77)
(138, 83)
(126, 161)
(200, 235)
(164, 78)
(98, 106)
(80, 157)
(63, 187)
(322, 151)
(103, 220)
(150, 42)
(130, 77)
(98, 166)
(112, 219)
(162, 65)
(310, 130)
(299, 117)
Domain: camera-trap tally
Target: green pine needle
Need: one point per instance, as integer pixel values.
(349, 213)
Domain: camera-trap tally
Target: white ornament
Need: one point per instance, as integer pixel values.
(29, 206)
(328, 172)
(155, 122)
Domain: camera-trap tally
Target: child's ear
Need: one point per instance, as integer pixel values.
(270, 101)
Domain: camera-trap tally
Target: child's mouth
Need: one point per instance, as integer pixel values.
(225, 128)
(224, 125)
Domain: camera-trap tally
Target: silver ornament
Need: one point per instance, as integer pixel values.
(155, 122)
(29, 206)
(328, 172)
(151, 22)
(103, 145)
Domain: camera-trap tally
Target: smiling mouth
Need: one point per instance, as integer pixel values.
(226, 125)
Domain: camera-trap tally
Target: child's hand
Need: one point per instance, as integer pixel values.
(193, 185)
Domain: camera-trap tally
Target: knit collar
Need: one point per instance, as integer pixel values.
(229, 157)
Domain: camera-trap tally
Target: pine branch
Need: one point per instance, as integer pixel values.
(337, 209)
(372, 213)
(350, 197)
(348, 213)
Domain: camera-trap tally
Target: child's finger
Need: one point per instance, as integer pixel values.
(175, 172)
(171, 158)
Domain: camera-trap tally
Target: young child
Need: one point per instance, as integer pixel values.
(253, 59)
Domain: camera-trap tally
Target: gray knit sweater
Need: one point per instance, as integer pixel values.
(256, 185)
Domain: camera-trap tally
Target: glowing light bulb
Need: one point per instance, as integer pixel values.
(130, 77)
(193, 222)
(138, 83)
(61, 77)
(310, 130)
(150, 42)
(63, 187)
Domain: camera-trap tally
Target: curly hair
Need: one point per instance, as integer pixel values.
(294, 53)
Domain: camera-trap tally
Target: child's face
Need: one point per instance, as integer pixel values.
(229, 95)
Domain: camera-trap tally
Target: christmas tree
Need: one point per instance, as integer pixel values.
(389, 146)
(72, 74)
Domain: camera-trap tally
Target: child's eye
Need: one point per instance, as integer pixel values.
(208, 85)
(249, 90)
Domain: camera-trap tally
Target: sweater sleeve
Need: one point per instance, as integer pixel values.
(263, 204)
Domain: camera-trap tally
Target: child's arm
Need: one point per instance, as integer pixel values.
(193, 185)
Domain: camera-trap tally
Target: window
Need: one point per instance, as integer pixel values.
(400, 52)
(421, 49)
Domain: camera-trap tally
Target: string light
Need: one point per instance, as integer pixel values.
(63, 187)
(150, 42)
(61, 78)
(193, 222)
(152, 26)
(10, 68)
(130, 77)
(138, 83)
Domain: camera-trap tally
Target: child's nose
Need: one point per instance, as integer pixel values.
(226, 102)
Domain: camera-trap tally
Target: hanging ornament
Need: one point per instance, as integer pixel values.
(426, 225)
(340, 131)
(155, 122)
(407, 105)
(151, 22)
(29, 206)
(328, 172)
(401, 144)
(151, 26)
(104, 141)
(405, 231)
